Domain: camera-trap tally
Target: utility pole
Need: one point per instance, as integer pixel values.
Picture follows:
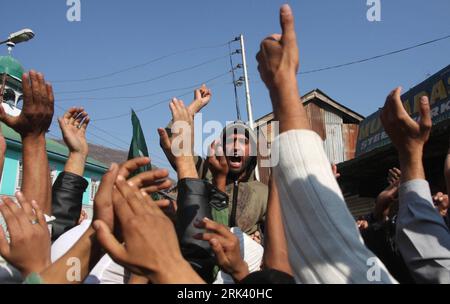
(247, 88)
(247, 96)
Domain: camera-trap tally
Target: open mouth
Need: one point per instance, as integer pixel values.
(235, 161)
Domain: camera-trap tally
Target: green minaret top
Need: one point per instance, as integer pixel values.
(11, 67)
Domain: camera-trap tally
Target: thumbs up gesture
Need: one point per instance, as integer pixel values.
(278, 56)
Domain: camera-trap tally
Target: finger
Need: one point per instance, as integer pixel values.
(4, 245)
(216, 227)
(10, 219)
(18, 212)
(173, 107)
(163, 204)
(50, 95)
(85, 123)
(158, 186)
(207, 236)
(42, 89)
(132, 165)
(27, 90)
(131, 194)
(39, 214)
(164, 138)
(35, 89)
(148, 178)
(105, 190)
(154, 206)
(218, 251)
(425, 114)
(107, 240)
(26, 206)
(276, 37)
(287, 25)
(397, 105)
(197, 94)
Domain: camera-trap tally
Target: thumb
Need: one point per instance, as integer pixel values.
(425, 114)
(62, 124)
(197, 95)
(287, 25)
(4, 245)
(164, 137)
(108, 241)
(104, 193)
(5, 117)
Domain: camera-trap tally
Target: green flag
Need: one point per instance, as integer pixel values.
(138, 147)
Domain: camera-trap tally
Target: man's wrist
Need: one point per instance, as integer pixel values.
(241, 272)
(411, 165)
(75, 163)
(31, 139)
(220, 181)
(186, 168)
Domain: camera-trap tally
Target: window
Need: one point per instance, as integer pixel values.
(94, 187)
(19, 176)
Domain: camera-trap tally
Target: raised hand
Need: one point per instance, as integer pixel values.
(202, 96)
(278, 58)
(152, 248)
(407, 135)
(226, 248)
(146, 182)
(38, 107)
(179, 147)
(278, 63)
(73, 126)
(29, 246)
(218, 165)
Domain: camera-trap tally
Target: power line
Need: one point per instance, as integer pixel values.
(374, 57)
(146, 95)
(144, 81)
(162, 101)
(140, 65)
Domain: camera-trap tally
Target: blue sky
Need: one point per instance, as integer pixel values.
(114, 35)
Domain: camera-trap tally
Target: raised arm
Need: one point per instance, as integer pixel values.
(202, 97)
(73, 127)
(323, 242)
(32, 124)
(68, 189)
(276, 250)
(422, 236)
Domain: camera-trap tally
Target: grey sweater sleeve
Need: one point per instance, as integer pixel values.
(422, 236)
(324, 244)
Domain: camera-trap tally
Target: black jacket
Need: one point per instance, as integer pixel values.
(67, 195)
(196, 200)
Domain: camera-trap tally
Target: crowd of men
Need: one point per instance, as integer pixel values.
(224, 226)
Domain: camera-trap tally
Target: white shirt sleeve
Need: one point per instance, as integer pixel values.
(324, 244)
